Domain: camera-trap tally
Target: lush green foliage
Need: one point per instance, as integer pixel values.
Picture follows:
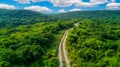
(95, 43)
(31, 45)
(115, 14)
(30, 39)
(13, 18)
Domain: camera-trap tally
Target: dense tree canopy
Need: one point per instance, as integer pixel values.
(95, 43)
(31, 45)
(31, 39)
(13, 18)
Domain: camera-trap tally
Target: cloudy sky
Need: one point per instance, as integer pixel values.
(60, 6)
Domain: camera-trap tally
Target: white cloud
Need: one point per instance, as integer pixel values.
(61, 11)
(92, 3)
(113, 6)
(98, 2)
(28, 1)
(84, 4)
(5, 6)
(23, 1)
(78, 3)
(61, 3)
(38, 0)
(75, 9)
(38, 9)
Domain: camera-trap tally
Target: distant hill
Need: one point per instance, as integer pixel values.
(89, 14)
(21, 17)
(13, 18)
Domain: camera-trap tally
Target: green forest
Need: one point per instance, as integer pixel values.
(31, 39)
(95, 43)
(30, 44)
(34, 44)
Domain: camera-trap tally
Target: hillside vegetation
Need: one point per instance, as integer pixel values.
(111, 14)
(95, 43)
(31, 39)
(31, 44)
(13, 18)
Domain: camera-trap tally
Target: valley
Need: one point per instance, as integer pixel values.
(72, 39)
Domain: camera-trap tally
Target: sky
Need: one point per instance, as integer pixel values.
(60, 6)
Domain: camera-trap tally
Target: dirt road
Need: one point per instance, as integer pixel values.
(62, 54)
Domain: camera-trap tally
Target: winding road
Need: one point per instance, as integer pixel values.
(62, 51)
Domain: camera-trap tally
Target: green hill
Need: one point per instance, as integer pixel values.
(20, 17)
(96, 40)
(89, 14)
(31, 39)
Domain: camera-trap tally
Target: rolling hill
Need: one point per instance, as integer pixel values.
(31, 39)
(89, 14)
(20, 17)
